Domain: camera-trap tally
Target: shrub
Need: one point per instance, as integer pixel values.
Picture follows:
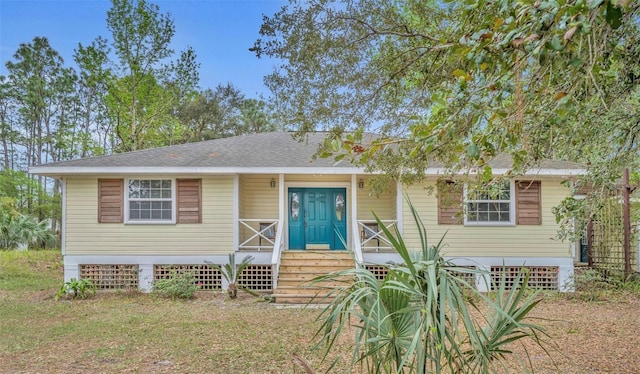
(593, 284)
(419, 318)
(77, 289)
(20, 229)
(232, 274)
(179, 285)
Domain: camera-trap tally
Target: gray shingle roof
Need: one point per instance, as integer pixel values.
(275, 149)
(272, 151)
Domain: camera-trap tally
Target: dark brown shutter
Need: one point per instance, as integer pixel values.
(528, 206)
(110, 200)
(189, 201)
(449, 203)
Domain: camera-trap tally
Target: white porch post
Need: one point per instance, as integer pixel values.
(282, 199)
(565, 276)
(355, 242)
(236, 212)
(71, 271)
(145, 277)
(399, 209)
(63, 223)
(483, 280)
(280, 243)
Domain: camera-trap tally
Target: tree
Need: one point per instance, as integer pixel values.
(94, 128)
(145, 97)
(42, 89)
(254, 117)
(223, 112)
(8, 134)
(459, 82)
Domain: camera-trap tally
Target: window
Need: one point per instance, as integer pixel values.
(339, 206)
(150, 200)
(294, 206)
(490, 205)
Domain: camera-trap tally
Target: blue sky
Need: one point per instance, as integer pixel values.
(220, 32)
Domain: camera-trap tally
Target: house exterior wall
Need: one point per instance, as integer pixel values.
(384, 205)
(257, 198)
(90, 242)
(257, 201)
(85, 236)
(311, 178)
(530, 241)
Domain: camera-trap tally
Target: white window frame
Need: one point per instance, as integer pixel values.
(512, 208)
(128, 220)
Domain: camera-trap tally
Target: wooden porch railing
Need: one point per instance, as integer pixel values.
(357, 246)
(277, 255)
(264, 230)
(370, 233)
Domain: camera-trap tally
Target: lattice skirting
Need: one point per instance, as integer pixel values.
(257, 278)
(380, 271)
(540, 277)
(208, 277)
(108, 277)
(470, 278)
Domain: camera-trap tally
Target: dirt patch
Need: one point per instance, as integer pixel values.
(592, 337)
(117, 332)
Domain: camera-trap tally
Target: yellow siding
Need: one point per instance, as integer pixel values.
(384, 206)
(257, 198)
(318, 178)
(461, 241)
(257, 201)
(85, 236)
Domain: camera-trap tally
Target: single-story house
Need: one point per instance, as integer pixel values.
(131, 218)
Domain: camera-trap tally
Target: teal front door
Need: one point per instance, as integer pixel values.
(317, 218)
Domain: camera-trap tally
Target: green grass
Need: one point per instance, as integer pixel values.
(30, 270)
(125, 332)
(138, 332)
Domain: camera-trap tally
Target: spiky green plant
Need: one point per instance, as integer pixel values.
(20, 229)
(419, 318)
(232, 273)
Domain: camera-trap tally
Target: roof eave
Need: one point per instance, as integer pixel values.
(56, 171)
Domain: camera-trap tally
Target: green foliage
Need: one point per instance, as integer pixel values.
(592, 284)
(223, 112)
(231, 273)
(179, 285)
(77, 289)
(149, 88)
(420, 318)
(27, 195)
(18, 230)
(570, 214)
(460, 81)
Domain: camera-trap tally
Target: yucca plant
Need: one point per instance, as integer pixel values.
(232, 273)
(419, 318)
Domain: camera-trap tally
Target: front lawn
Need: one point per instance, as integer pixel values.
(120, 332)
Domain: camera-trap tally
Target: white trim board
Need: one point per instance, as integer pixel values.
(199, 170)
(163, 260)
